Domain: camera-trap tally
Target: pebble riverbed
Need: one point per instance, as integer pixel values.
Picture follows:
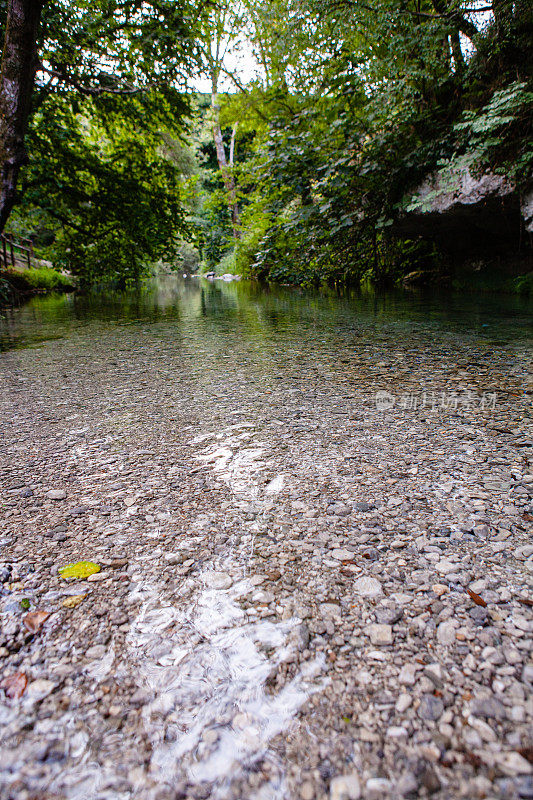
(305, 592)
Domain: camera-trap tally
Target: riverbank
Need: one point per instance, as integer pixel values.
(312, 525)
(19, 285)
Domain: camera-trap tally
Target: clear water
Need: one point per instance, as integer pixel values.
(229, 351)
(270, 315)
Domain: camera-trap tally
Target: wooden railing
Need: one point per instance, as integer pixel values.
(8, 246)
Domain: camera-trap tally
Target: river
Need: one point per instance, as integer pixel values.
(312, 519)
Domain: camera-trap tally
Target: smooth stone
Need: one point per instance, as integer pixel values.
(513, 764)
(307, 792)
(345, 787)
(339, 510)
(56, 494)
(242, 720)
(96, 651)
(446, 632)
(471, 737)
(380, 634)
(330, 610)
(403, 702)
(479, 615)
(527, 674)
(397, 732)
(407, 674)
(488, 708)
(388, 616)
(377, 788)
(140, 698)
(339, 554)
(218, 580)
(430, 780)
(210, 737)
(261, 596)
(517, 714)
(366, 586)
(434, 673)
(446, 567)
(39, 689)
(407, 785)
(176, 558)
(402, 599)
(430, 708)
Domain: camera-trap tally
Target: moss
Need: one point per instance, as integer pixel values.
(33, 281)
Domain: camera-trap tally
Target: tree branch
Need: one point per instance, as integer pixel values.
(94, 91)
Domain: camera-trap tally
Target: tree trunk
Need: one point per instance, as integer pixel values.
(225, 169)
(458, 21)
(457, 53)
(232, 145)
(502, 10)
(17, 77)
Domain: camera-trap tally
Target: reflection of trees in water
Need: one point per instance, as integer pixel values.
(271, 321)
(41, 319)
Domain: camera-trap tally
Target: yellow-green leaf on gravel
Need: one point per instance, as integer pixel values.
(73, 601)
(81, 569)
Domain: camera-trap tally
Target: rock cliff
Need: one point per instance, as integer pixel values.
(469, 215)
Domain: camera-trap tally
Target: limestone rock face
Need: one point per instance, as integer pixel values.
(467, 214)
(526, 207)
(447, 191)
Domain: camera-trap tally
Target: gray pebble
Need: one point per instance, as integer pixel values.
(430, 708)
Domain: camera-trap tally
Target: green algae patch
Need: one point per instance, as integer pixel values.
(81, 569)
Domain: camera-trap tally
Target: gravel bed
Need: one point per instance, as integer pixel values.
(300, 595)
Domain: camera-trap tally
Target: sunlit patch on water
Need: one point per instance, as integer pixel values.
(235, 460)
(98, 670)
(207, 669)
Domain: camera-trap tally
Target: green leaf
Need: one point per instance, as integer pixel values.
(81, 569)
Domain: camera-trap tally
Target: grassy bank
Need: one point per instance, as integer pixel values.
(16, 285)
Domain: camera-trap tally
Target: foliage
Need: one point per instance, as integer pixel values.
(115, 47)
(256, 224)
(353, 104)
(357, 103)
(41, 279)
(523, 284)
(499, 134)
(100, 182)
(79, 570)
(6, 292)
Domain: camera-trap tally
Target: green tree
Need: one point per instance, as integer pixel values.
(103, 184)
(109, 71)
(361, 101)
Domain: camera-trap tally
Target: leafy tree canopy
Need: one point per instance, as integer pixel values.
(109, 87)
(295, 173)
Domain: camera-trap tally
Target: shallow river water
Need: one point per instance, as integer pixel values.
(190, 308)
(294, 499)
